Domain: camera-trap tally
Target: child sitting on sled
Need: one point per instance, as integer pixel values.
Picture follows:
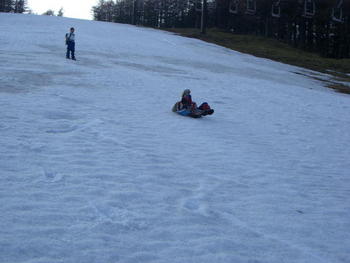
(187, 102)
(187, 107)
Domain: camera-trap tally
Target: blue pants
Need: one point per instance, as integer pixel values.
(70, 49)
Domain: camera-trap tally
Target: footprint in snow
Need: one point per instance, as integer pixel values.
(52, 176)
(62, 129)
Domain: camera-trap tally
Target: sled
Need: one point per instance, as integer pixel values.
(198, 113)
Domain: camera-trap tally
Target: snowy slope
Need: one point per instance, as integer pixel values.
(94, 166)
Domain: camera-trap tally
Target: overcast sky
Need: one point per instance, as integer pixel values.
(71, 8)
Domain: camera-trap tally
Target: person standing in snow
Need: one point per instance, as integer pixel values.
(70, 42)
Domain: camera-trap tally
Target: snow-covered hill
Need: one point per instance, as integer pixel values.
(94, 166)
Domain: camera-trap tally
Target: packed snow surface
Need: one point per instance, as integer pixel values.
(94, 166)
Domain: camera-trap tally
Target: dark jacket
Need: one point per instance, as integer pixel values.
(187, 100)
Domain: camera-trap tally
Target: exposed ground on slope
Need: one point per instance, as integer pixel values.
(338, 69)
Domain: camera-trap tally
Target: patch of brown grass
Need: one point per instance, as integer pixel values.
(278, 51)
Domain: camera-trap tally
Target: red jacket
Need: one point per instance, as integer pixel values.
(187, 100)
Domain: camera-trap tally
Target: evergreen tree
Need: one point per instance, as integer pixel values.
(315, 25)
(60, 12)
(19, 6)
(6, 6)
(49, 12)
